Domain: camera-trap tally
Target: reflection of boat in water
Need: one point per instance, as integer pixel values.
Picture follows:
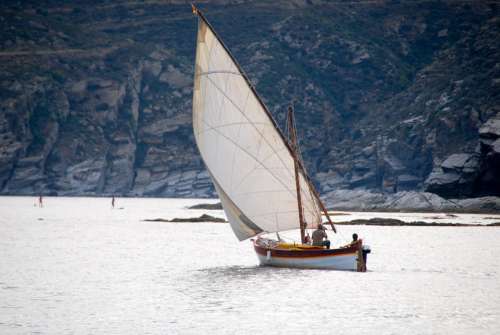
(257, 172)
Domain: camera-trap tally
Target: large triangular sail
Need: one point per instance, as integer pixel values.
(246, 155)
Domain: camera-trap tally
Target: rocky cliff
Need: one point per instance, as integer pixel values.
(95, 97)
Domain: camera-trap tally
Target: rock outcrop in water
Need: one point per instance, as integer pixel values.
(216, 206)
(390, 96)
(201, 218)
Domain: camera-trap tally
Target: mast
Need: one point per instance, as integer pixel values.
(323, 208)
(293, 142)
(298, 164)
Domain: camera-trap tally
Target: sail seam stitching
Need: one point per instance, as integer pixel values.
(251, 155)
(234, 153)
(291, 192)
(309, 209)
(249, 121)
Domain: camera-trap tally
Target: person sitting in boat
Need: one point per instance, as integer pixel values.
(307, 239)
(319, 237)
(355, 241)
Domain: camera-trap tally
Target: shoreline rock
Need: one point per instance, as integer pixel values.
(408, 201)
(399, 223)
(202, 218)
(217, 206)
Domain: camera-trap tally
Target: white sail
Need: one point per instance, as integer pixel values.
(248, 160)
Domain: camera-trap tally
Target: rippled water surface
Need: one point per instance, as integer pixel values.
(77, 266)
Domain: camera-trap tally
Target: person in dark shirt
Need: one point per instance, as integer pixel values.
(355, 240)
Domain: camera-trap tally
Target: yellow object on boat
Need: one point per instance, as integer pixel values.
(296, 246)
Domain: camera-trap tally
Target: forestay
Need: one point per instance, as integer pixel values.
(247, 157)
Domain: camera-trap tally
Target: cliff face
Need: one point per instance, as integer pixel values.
(96, 98)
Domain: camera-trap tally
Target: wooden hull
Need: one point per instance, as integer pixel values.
(347, 259)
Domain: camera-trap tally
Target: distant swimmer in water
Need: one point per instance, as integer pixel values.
(113, 201)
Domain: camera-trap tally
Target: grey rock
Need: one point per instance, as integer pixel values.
(362, 180)
(175, 78)
(354, 199)
(79, 87)
(155, 187)
(26, 180)
(495, 147)
(418, 201)
(360, 57)
(159, 55)
(456, 162)
(82, 178)
(407, 200)
(481, 204)
(456, 176)
(143, 177)
(30, 161)
(442, 178)
(491, 128)
(443, 33)
(159, 127)
(369, 151)
(394, 163)
(408, 182)
(154, 67)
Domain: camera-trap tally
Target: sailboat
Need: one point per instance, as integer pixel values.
(257, 172)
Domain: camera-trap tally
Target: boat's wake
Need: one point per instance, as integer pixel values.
(236, 271)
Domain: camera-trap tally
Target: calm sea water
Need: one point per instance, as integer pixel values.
(77, 266)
